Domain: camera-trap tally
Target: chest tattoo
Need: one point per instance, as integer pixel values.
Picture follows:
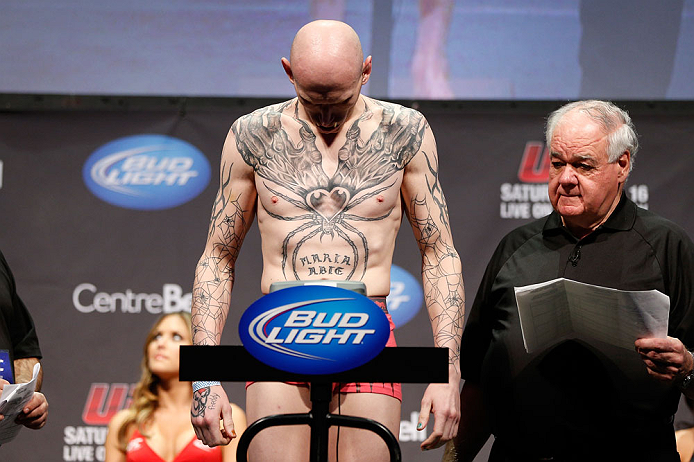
(366, 167)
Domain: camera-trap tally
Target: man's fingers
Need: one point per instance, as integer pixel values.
(673, 357)
(443, 424)
(436, 438)
(424, 412)
(451, 430)
(661, 366)
(33, 422)
(659, 344)
(209, 430)
(432, 442)
(37, 401)
(228, 422)
(35, 413)
(212, 436)
(198, 434)
(659, 376)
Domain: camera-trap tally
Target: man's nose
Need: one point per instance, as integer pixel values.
(568, 176)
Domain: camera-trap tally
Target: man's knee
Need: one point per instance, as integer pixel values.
(358, 445)
(280, 444)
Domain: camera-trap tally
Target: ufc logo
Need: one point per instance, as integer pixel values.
(104, 401)
(534, 167)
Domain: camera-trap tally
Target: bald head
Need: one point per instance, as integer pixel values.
(326, 52)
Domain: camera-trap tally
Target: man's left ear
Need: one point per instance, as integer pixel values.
(288, 69)
(624, 163)
(366, 70)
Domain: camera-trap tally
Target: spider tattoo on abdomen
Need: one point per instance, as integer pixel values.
(327, 219)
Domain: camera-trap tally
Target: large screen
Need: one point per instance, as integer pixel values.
(422, 49)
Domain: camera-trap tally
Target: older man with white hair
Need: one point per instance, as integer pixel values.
(579, 400)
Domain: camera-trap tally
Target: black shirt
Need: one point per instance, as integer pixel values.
(574, 397)
(17, 332)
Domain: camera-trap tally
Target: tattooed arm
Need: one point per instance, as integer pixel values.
(442, 280)
(232, 215)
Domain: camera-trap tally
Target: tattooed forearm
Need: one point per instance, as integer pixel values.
(435, 189)
(214, 274)
(442, 280)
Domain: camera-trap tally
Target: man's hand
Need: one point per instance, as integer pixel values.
(210, 406)
(666, 359)
(442, 400)
(35, 412)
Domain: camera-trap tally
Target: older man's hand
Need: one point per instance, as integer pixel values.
(34, 413)
(666, 359)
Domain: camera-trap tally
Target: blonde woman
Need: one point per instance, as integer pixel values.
(156, 427)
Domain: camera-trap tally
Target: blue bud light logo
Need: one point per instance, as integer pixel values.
(314, 329)
(146, 172)
(405, 298)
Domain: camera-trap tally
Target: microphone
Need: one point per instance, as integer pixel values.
(575, 255)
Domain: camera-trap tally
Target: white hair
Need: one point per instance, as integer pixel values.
(621, 134)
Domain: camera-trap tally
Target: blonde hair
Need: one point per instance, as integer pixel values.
(146, 393)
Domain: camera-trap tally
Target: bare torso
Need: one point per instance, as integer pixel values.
(329, 211)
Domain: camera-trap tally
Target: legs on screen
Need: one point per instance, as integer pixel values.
(430, 75)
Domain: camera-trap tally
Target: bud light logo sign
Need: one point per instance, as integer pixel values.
(405, 298)
(146, 172)
(314, 329)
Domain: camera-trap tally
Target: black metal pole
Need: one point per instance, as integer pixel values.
(321, 395)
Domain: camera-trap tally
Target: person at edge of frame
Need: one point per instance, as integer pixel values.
(581, 399)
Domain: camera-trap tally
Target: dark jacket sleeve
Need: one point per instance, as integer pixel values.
(18, 324)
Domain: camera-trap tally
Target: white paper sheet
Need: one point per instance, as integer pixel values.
(14, 397)
(561, 309)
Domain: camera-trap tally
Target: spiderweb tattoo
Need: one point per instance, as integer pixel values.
(442, 279)
(211, 292)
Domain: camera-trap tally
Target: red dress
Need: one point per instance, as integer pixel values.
(139, 451)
